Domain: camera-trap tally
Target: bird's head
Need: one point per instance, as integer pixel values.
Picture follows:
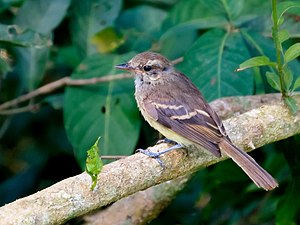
(148, 66)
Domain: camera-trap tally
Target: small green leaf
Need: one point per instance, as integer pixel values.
(256, 61)
(273, 80)
(107, 40)
(55, 100)
(283, 35)
(292, 52)
(288, 78)
(296, 84)
(280, 21)
(93, 164)
(291, 103)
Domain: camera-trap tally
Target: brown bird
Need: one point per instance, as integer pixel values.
(173, 105)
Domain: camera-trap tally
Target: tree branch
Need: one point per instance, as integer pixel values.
(236, 105)
(72, 197)
(144, 205)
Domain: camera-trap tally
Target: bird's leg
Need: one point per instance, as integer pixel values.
(156, 155)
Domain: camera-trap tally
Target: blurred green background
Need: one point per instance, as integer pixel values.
(45, 140)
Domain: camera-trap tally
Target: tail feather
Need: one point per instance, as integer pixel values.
(255, 172)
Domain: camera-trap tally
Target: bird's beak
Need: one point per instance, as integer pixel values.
(124, 66)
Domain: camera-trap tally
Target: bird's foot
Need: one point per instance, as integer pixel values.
(156, 155)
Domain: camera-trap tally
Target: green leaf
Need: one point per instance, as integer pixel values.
(107, 40)
(183, 40)
(284, 6)
(93, 164)
(256, 7)
(273, 80)
(15, 35)
(211, 61)
(256, 61)
(193, 15)
(292, 104)
(292, 52)
(89, 18)
(283, 35)
(233, 8)
(204, 23)
(32, 65)
(42, 15)
(296, 84)
(143, 18)
(106, 109)
(185, 11)
(55, 100)
(140, 25)
(187, 17)
(288, 78)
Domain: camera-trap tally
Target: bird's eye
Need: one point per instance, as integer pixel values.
(147, 68)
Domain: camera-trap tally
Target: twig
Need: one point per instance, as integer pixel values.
(178, 60)
(48, 88)
(28, 108)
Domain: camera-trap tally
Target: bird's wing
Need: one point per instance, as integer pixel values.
(190, 117)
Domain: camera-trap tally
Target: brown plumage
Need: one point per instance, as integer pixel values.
(173, 105)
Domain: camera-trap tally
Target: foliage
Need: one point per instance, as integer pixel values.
(282, 80)
(93, 165)
(42, 41)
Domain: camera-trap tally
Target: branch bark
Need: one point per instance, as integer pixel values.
(141, 207)
(72, 197)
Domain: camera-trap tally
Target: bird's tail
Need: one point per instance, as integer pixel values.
(256, 173)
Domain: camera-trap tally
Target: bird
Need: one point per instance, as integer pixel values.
(173, 105)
